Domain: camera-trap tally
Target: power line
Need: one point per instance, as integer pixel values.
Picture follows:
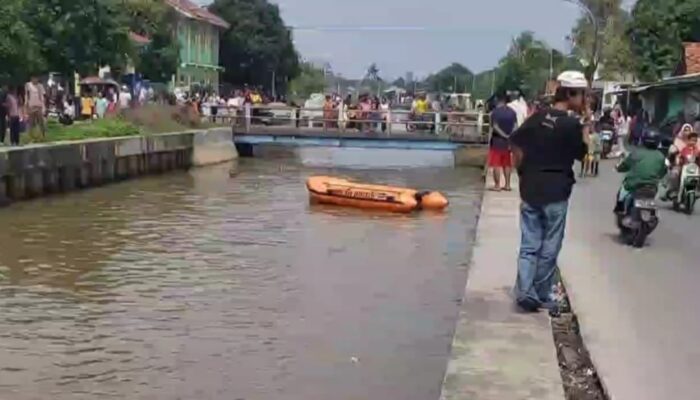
(388, 28)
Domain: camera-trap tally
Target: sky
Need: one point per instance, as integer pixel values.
(421, 36)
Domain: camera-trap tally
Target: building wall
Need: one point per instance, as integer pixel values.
(199, 53)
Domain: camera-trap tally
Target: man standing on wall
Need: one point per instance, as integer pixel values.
(503, 122)
(545, 148)
(35, 104)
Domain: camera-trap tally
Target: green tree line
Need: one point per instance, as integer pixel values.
(68, 36)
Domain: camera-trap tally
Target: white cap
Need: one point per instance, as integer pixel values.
(572, 79)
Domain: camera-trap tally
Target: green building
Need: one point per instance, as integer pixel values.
(198, 32)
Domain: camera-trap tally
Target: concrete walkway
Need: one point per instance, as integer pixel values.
(498, 353)
(637, 308)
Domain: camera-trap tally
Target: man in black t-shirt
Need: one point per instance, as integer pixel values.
(545, 148)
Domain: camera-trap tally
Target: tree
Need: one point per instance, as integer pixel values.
(600, 39)
(399, 82)
(658, 29)
(453, 78)
(257, 46)
(19, 50)
(528, 65)
(310, 80)
(153, 19)
(371, 82)
(79, 35)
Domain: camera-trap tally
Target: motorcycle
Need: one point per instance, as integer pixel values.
(422, 122)
(689, 186)
(638, 218)
(606, 141)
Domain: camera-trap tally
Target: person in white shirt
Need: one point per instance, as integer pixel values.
(519, 105)
(124, 98)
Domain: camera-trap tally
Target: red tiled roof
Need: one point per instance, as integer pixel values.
(191, 10)
(691, 57)
(139, 39)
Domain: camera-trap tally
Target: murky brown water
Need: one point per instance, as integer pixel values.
(201, 286)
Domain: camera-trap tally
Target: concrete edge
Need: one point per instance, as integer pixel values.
(498, 353)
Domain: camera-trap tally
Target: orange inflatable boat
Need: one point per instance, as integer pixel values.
(342, 192)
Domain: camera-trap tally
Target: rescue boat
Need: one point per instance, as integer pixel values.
(342, 192)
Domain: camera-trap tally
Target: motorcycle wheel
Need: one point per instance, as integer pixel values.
(410, 127)
(676, 205)
(690, 203)
(626, 234)
(640, 237)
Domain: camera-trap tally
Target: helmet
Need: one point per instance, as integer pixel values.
(651, 137)
(572, 79)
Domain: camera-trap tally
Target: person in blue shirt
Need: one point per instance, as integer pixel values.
(503, 123)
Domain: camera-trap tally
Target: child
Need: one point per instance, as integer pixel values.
(590, 163)
(689, 151)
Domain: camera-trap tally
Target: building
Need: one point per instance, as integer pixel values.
(676, 95)
(197, 31)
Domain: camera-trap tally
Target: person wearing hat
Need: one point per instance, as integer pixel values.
(544, 150)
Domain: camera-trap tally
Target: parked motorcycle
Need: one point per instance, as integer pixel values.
(638, 218)
(423, 122)
(688, 188)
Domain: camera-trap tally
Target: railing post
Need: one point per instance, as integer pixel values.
(389, 121)
(438, 127)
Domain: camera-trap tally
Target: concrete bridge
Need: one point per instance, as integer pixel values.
(468, 150)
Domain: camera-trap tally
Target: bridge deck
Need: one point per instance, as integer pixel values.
(287, 131)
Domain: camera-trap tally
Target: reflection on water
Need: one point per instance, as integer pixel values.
(204, 286)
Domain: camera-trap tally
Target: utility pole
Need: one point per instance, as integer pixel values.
(274, 85)
(493, 82)
(473, 84)
(551, 64)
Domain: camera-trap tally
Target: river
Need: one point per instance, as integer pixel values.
(201, 285)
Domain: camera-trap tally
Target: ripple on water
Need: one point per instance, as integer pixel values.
(203, 286)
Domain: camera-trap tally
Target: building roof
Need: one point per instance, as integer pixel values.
(193, 11)
(674, 82)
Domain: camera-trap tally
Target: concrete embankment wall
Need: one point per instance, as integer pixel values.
(37, 170)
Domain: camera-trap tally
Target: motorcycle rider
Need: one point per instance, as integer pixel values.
(677, 157)
(644, 167)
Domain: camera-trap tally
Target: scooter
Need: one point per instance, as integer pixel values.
(689, 186)
(638, 218)
(606, 140)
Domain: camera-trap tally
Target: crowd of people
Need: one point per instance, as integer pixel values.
(22, 108)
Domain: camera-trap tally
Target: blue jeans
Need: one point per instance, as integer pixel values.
(542, 230)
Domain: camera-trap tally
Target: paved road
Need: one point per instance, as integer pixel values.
(638, 308)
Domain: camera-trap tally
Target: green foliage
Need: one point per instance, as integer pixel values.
(657, 30)
(613, 48)
(19, 50)
(110, 127)
(529, 64)
(140, 121)
(256, 44)
(158, 60)
(400, 83)
(445, 79)
(310, 80)
(526, 66)
(79, 35)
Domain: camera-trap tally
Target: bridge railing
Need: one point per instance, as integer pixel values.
(470, 125)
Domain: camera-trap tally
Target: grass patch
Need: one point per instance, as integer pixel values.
(142, 121)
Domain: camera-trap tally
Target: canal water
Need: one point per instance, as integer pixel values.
(210, 285)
